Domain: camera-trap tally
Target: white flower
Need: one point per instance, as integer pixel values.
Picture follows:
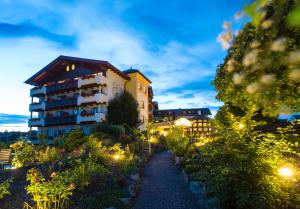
(294, 57)
(254, 44)
(267, 24)
(253, 88)
(267, 79)
(226, 25)
(250, 58)
(294, 75)
(279, 45)
(238, 78)
(238, 15)
(225, 39)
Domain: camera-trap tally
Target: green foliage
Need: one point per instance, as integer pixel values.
(258, 80)
(43, 140)
(4, 188)
(48, 155)
(114, 131)
(294, 17)
(123, 110)
(85, 172)
(24, 153)
(53, 193)
(74, 140)
(177, 142)
(260, 71)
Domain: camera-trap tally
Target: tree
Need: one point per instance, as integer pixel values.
(123, 110)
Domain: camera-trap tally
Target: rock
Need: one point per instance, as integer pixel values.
(132, 190)
(135, 177)
(125, 200)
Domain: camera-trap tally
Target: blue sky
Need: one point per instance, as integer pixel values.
(172, 42)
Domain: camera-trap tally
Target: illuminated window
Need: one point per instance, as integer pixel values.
(67, 68)
(73, 66)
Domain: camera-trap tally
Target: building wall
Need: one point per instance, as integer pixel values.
(138, 87)
(115, 84)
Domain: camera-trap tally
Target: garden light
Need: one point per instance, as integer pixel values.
(116, 157)
(241, 126)
(285, 171)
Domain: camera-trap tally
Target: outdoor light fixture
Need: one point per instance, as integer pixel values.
(116, 157)
(241, 125)
(285, 171)
(183, 122)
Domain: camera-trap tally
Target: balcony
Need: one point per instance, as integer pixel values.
(37, 106)
(61, 103)
(36, 122)
(94, 117)
(62, 87)
(38, 91)
(90, 80)
(96, 98)
(72, 119)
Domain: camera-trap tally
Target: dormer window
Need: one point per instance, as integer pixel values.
(199, 112)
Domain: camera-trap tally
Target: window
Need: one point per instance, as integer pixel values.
(143, 119)
(199, 112)
(73, 66)
(145, 90)
(58, 114)
(75, 112)
(95, 110)
(67, 68)
(139, 85)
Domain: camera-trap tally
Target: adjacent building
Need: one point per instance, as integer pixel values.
(73, 92)
(198, 117)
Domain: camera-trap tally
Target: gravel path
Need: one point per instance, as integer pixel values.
(163, 186)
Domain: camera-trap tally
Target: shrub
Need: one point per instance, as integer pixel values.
(114, 131)
(4, 188)
(48, 155)
(53, 193)
(74, 140)
(93, 149)
(85, 172)
(58, 141)
(123, 110)
(177, 142)
(24, 153)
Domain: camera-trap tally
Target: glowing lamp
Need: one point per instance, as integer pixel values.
(241, 125)
(183, 122)
(285, 171)
(116, 157)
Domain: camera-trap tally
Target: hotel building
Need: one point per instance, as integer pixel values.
(198, 118)
(71, 93)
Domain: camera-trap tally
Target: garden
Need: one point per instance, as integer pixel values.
(99, 170)
(241, 165)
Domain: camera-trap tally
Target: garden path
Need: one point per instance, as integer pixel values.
(164, 186)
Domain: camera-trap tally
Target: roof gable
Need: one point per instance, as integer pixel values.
(130, 71)
(84, 67)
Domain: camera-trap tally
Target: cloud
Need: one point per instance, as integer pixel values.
(12, 119)
(8, 30)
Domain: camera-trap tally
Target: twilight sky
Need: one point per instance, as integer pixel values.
(173, 42)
